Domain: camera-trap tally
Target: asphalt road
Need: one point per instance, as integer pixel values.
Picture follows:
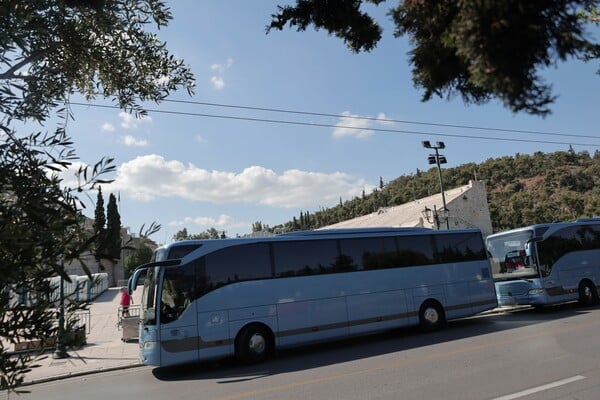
(521, 355)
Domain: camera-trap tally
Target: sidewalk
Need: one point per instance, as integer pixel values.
(104, 349)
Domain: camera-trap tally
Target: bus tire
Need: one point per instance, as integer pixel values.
(431, 316)
(253, 344)
(587, 294)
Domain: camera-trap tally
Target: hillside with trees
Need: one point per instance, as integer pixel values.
(522, 190)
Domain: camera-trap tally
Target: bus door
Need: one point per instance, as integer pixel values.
(179, 342)
(213, 334)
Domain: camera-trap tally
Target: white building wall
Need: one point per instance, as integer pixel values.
(115, 271)
(467, 208)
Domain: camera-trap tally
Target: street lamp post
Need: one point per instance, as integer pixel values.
(61, 351)
(427, 213)
(438, 159)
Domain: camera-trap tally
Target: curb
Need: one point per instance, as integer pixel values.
(81, 373)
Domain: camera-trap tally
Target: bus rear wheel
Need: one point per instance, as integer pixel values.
(587, 294)
(431, 316)
(253, 344)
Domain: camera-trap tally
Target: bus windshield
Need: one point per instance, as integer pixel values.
(148, 314)
(509, 257)
(149, 299)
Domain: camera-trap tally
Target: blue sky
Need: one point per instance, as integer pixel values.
(200, 172)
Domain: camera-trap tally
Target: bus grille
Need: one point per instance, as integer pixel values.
(514, 289)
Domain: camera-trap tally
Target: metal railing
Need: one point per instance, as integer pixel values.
(80, 319)
(134, 311)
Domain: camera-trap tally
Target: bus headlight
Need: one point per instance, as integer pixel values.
(149, 345)
(536, 291)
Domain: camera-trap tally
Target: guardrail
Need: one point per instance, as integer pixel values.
(78, 326)
(81, 288)
(134, 311)
(80, 319)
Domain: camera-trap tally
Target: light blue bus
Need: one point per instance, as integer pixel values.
(206, 299)
(547, 263)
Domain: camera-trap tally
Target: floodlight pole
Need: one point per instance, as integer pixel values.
(436, 159)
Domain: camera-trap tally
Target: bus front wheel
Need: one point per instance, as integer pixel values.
(431, 316)
(587, 294)
(253, 344)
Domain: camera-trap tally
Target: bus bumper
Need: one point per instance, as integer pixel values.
(150, 353)
(520, 293)
(533, 300)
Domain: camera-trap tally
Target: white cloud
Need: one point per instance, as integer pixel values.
(383, 120)
(357, 126)
(148, 177)
(351, 125)
(130, 121)
(217, 80)
(221, 221)
(132, 141)
(70, 176)
(200, 139)
(107, 127)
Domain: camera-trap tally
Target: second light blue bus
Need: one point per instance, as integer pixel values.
(206, 299)
(547, 264)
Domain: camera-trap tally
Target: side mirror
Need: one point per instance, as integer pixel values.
(529, 243)
(528, 248)
(133, 280)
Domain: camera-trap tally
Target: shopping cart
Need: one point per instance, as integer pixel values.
(128, 322)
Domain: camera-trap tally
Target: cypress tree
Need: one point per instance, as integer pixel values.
(99, 227)
(113, 229)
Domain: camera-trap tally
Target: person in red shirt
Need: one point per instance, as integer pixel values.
(126, 300)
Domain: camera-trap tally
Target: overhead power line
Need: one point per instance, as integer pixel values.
(375, 129)
(276, 110)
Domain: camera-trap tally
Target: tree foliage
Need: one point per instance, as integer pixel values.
(479, 50)
(142, 248)
(41, 229)
(113, 229)
(210, 233)
(141, 254)
(50, 50)
(99, 227)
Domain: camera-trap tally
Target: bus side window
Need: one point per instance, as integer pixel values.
(299, 258)
(370, 253)
(460, 248)
(415, 250)
(238, 263)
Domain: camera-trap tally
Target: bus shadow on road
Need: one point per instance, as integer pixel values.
(308, 357)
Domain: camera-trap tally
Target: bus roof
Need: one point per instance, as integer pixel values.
(547, 228)
(353, 231)
(316, 234)
(197, 247)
